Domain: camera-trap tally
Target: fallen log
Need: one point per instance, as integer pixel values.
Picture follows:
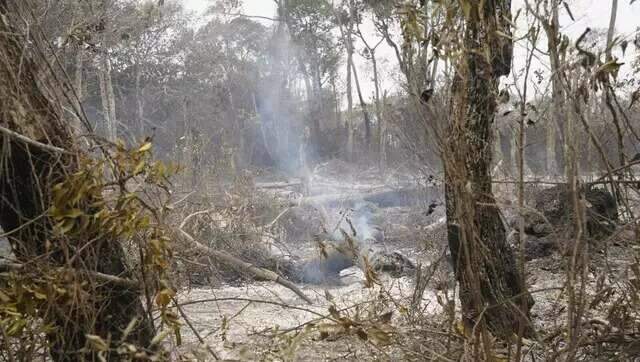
(278, 185)
(350, 187)
(385, 198)
(236, 263)
(240, 265)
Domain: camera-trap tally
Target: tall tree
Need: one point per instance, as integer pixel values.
(612, 30)
(370, 54)
(346, 22)
(310, 26)
(607, 91)
(105, 77)
(353, 16)
(554, 123)
(39, 152)
(491, 290)
(557, 47)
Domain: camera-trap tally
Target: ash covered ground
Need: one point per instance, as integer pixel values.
(386, 316)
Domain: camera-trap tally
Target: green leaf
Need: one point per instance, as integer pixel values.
(139, 167)
(16, 327)
(611, 67)
(97, 342)
(145, 147)
(466, 8)
(4, 298)
(65, 226)
(160, 337)
(176, 331)
(73, 213)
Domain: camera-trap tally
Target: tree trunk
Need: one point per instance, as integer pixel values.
(497, 152)
(513, 149)
(78, 81)
(374, 64)
(380, 120)
(107, 96)
(283, 56)
(30, 171)
(350, 127)
(490, 286)
(139, 101)
(346, 33)
(363, 105)
(383, 135)
(557, 118)
(313, 94)
(336, 100)
(612, 29)
(78, 85)
(606, 94)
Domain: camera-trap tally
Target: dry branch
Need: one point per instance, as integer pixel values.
(32, 142)
(194, 330)
(240, 265)
(102, 277)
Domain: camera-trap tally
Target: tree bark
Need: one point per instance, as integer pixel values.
(30, 171)
(490, 286)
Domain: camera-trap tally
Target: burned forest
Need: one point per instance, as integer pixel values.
(320, 180)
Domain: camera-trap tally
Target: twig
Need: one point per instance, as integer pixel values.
(25, 224)
(7, 347)
(615, 170)
(532, 182)
(186, 219)
(28, 140)
(193, 329)
(242, 299)
(255, 17)
(321, 317)
(182, 199)
(269, 225)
